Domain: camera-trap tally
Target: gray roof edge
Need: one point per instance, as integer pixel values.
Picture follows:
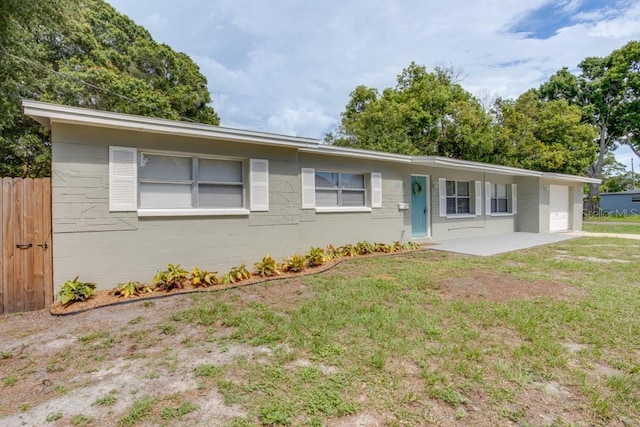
(47, 113)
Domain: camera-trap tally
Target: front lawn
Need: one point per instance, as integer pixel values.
(546, 336)
(611, 227)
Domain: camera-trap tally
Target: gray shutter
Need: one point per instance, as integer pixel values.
(123, 179)
(259, 185)
(442, 190)
(514, 199)
(487, 198)
(478, 194)
(376, 190)
(308, 176)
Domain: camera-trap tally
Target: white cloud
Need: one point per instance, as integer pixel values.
(289, 66)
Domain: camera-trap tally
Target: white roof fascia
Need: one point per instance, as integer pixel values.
(46, 114)
(332, 150)
(444, 162)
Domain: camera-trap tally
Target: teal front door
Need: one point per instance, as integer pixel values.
(418, 206)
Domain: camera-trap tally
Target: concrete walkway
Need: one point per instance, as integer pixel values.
(507, 242)
(500, 243)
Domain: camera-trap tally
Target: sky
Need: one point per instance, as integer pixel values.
(288, 66)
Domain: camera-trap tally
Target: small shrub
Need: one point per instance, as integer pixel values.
(316, 257)
(397, 246)
(267, 267)
(295, 263)
(364, 248)
(332, 252)
(236, 274)
(204, 278)
(174, 277)
(348, 251)
(75, 290)
(382, 247)
(130, 289)
(411, 246)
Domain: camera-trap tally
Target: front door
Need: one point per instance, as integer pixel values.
(419, 210)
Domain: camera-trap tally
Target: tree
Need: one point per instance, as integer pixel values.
(424, 114)
(84, 53)
(615, 176)
(608, 92)
(542, 135)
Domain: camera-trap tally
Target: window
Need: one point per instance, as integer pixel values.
(328, 191)
(499, 198)
(339, 189)
(177, 182)
(458, 197)
(635, 199)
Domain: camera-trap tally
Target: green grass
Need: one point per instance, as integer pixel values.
(611, 228)
(606, 217)
(381, 335)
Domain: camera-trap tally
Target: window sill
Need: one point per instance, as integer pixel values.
(192, 212)
(450, 216)
(502, 214)
(343, 209)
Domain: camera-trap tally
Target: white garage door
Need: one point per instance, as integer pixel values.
(558, 207)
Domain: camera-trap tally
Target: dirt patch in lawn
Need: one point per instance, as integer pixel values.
(481, 284)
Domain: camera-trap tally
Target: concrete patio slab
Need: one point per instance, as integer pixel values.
(499, 243)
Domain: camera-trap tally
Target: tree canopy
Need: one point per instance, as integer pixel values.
(425, 113)
(431, 114)
(84, 53)
(607, 91)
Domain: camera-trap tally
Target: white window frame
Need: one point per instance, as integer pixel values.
(495, 197)
(475, 198)
(512, 199)
(124, 183)
(456, 196)
(372, 191)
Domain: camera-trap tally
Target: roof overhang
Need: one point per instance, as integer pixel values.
(47, 114)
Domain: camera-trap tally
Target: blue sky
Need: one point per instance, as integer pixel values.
(288, 66)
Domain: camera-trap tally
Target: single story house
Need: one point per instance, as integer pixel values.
(131, 194)
(621, 203)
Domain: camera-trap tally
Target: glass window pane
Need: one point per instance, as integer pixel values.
(170, 168)
(326, 198)
(352, 198)
(451, 205)
(326, 179)
(451, 188)
(502, 205)
(494, 205)
(493, 190)
(219, 196)
(463, 188)
(463, 206)
(154, 195)
(502, 190)
(219, 170)
(350, 180)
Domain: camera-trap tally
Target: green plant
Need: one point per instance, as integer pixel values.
(82, 420)
(315, 257)
(185, 408)
(204, 278)
(382, 247)
(54, 416)
(174, 277)
(207, 371)
(107, 400)
(396, 246)
(130, 289)
(267, 267)
(348, 251)
(295, 263)
(141, 409)
(236, 274)
(364, 248)
(332, 252)
(10, 380)
(75, 290)
(411, 246)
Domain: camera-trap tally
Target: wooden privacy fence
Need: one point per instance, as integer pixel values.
(26, 268)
